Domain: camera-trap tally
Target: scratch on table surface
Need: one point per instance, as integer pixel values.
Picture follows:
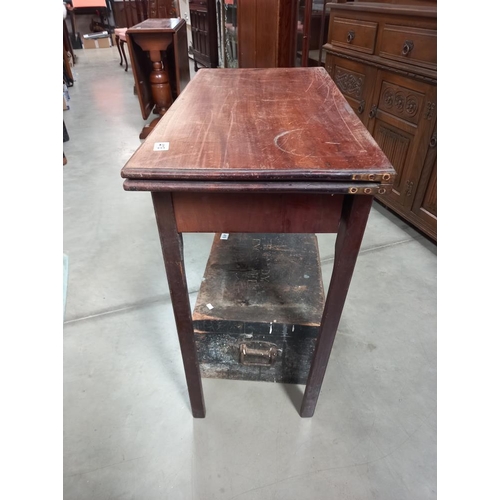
(279, 136)
(207, 130)
(323, 83)
(228, 94)
(227, 139)
(312, 81)
(362, 150)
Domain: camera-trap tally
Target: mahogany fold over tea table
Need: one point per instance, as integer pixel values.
(260, 151)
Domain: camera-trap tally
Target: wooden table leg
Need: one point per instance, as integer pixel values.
(172, 249)
(117, 39)
(355, 212)
(160, 88)
(122, 47)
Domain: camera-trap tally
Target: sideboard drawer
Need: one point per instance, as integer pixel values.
(355, 34)
(409, 45)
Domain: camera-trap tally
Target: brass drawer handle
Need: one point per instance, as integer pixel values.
(433, 142)
(350, 36)
(373, 111)
(258, 353)
(407, 47)
(361, 107)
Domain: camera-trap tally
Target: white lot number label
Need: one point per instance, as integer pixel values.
(161, 146)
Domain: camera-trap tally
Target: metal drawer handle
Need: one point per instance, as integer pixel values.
(258, 353)
(361, 107)
(433, 142)
(373, 111)
(350, 36)
(407, 47)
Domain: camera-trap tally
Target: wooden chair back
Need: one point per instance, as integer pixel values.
(135, 11)
(163, 9)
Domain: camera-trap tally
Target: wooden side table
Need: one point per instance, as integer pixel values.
(260, 150)
(159, 59)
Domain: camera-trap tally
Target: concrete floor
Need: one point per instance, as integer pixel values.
(128, 430)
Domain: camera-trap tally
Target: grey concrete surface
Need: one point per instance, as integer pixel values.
(128, 430)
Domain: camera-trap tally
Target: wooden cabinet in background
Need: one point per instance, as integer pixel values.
(266, 33)
(382, 56)
(425, 202)
(204, 33)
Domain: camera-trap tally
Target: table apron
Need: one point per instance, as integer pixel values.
(256, 212)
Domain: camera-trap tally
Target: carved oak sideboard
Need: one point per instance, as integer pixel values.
(382, 56)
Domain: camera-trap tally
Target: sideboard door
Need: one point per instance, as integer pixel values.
(400, 119)
(425, 204)
(354, 80)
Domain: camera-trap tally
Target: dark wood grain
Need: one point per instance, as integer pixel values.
(266, 33)
(287, 33)
(247, 21)
(355, 212)
(172, 250)
(250, 124)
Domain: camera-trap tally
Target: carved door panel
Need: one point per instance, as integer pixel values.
(425, 203)
(400, 119)
(354, 81)
(204, 33)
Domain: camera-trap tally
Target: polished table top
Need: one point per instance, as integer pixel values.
(277, 124)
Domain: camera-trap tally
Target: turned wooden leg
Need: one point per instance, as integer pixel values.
(172, 249)
(355, 212)
(160, 89)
